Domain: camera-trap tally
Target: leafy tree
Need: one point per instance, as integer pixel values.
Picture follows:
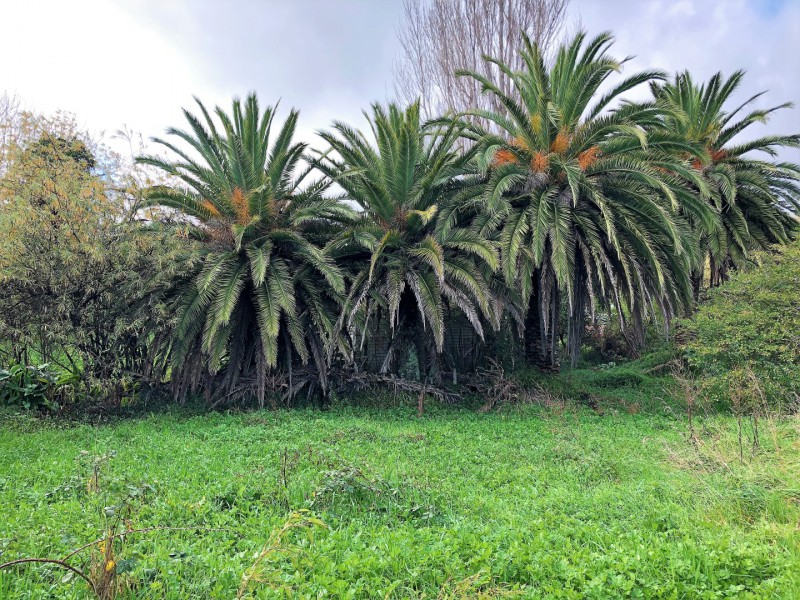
(412, 262)
(582, 195)
(266, 291)
(10, 125)
(751, 196)
(78, 283)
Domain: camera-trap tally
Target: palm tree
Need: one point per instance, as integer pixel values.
(753, 197)
(582, 196)
(410, 264)
(265, 288)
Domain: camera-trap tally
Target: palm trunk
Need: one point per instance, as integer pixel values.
(577, 315)
(715, 272)
(533, 329)
(637, 339)
(697, 284)
(540, 347)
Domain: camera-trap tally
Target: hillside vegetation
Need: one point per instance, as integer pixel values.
(745, 340)
(548, 348)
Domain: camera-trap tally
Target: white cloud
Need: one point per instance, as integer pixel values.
(706, 36)
(137, 62)
(684, 8)
(91, 58)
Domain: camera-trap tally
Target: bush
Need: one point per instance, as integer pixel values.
(34, 387)
(745, 340)
(82, 283)
(619, 377)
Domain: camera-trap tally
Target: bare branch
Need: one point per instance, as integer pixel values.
(51, 561)
(442, 36)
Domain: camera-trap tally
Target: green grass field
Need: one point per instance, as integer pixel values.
(525, 502)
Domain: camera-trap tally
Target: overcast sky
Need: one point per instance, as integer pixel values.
(137, 62)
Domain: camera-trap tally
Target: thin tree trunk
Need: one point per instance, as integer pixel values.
(288, 345)
(555, 308)
(420, 342)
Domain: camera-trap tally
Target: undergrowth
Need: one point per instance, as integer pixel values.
(568, 500)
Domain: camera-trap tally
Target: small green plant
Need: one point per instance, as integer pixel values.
(32, 386)
(350, 483)
(480, 586)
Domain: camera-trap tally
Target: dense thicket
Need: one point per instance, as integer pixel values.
(81, 281)
(745, 339)
(243, 265)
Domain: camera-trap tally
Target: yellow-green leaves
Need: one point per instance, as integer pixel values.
(431, 253)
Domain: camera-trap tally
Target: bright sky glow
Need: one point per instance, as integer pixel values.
(135, 63)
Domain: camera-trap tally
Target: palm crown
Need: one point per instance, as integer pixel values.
(412, 262)
(749, 195)
(582, 195)
(264, 283)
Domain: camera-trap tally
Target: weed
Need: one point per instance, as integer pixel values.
(480, 586)
(263, 570)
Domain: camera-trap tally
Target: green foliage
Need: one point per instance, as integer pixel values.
(752, 199)
(79, 284)
(620, 377)
(556, 505)
(746, 337)
(265, 288)
(34, 386)
(233, 275)
(410, 257)
(585, 200)
(643, 385)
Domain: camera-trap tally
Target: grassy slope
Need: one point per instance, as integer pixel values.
(551, 505)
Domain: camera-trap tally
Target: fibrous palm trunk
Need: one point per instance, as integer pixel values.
(636, 335)
(541, 328)
(697, 284)
(577, 315)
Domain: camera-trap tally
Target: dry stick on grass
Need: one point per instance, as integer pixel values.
(65, 565)
(691, 392)
(360, 381)
(496, 386)
(52, 561)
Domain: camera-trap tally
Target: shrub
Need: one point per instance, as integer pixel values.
(749, 330)
(81, 282)
(28, 387)
(619, 377)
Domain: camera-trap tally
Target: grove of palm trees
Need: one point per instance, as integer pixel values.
(358, 255)
(541, 344)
